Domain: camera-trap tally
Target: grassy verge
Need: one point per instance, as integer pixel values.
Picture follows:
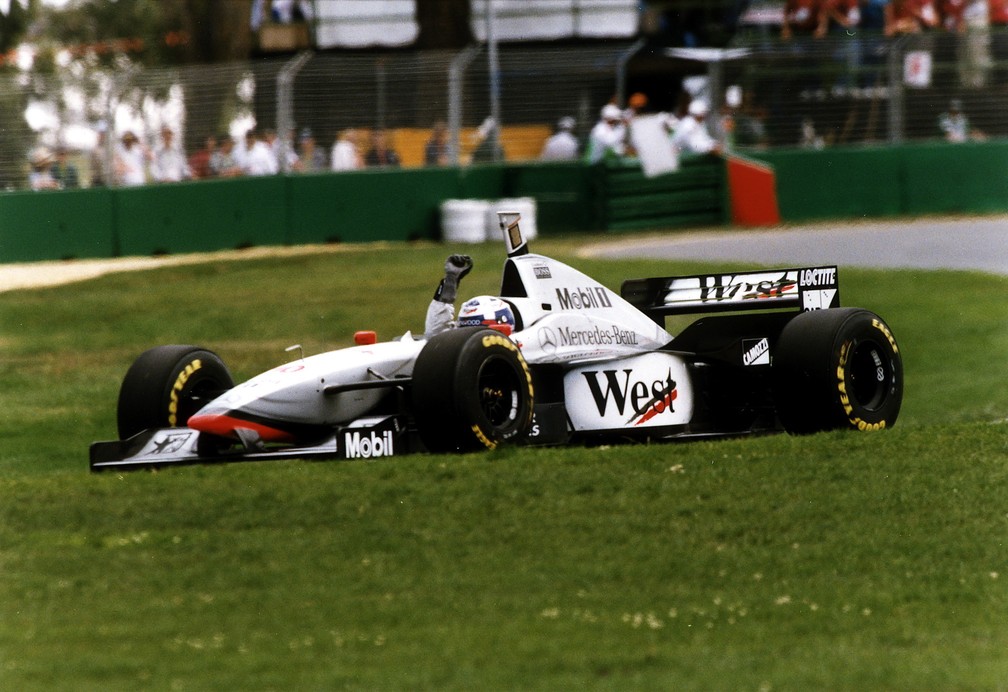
(837, 561)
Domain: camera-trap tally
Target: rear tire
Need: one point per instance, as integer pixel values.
(837, 368)
(168, 384)
(472, 389)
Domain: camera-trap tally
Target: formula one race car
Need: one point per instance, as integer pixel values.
(557, 358)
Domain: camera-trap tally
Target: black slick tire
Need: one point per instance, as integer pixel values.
(472, 390)
(835, 369)
(168, 384)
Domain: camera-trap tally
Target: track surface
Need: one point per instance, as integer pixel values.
(967, 243)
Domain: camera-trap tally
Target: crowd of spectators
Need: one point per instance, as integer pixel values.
(129, 162)
(818, 18)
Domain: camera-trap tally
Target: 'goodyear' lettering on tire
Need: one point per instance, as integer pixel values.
(886, 333)
(180, 382)
(484, 440)
(841, 372)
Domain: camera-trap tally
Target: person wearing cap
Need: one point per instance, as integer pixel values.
(955, 126)
(562, 145)
(131, 161)
(312, 158)
(64, 171)
(40, 176)
(169, 164)
(608, 137)
(691, 135)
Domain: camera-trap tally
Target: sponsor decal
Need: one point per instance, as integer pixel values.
(583, 298)
(170, 443)
(818, 288)
(817, 278)
(756, 352)
(358, 445)
(731, 288)
(541, 271)
(644, 400)
(180, 381)
(613, 336)
(547, 340)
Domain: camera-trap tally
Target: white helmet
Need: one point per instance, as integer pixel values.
(486, 311)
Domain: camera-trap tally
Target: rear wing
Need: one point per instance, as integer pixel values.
(811, 288)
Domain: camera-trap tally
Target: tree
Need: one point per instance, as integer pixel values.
(120, 39)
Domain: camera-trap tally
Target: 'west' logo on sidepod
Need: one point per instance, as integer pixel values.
(646, 399)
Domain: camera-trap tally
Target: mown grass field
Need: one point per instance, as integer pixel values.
(836, 561)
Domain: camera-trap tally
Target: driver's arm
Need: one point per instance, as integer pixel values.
(441, 311)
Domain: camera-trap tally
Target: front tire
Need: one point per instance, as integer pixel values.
(472, 389)
(168, 384)
(835, 369)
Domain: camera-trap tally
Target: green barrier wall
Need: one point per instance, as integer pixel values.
(571, 197)
(695, 195)
(57, 225)
(938, 178)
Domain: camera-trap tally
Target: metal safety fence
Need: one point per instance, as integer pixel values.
(767, 94)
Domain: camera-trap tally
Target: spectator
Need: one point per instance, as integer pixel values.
(380, 153)
(131, 161)
(488, 146)
(636, 105)
(199, 162)
(955, 126)
(345, 155)
(311, 157)
(40, 177)
(436, 149)
(283, 152)
(63, 171)
(223, 163)
(953, 15)
(562, 145)
(608, 137)
(801, 18)
(839, 16)
(909, 17)
(691, 135)
(841, 19)
(169, 164)
(258, 158)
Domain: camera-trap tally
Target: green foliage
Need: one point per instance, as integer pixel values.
(835, 561)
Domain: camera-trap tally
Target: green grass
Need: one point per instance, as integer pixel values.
(838, 561)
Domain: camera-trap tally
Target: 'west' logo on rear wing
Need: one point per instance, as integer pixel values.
(812, 288)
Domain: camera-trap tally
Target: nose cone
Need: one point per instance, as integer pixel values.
(228, 423)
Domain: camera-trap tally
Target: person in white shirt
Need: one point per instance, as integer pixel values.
(608, 135)
(562, 145)
(345, 156)
(131, 161)
(169, 164)
(691, 135)
(258, 158)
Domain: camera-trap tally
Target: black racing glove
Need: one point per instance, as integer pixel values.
(455, 268)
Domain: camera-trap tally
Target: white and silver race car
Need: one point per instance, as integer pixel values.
(572, 362)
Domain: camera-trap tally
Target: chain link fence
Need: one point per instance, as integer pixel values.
(817, 93)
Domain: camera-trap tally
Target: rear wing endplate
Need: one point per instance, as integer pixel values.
(811, 288)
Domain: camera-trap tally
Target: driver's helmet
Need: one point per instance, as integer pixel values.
(486, 311)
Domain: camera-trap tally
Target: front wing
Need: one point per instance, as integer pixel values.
(365, 438)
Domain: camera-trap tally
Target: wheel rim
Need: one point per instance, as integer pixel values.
(195, 397)
(499, 392)
(870, 375)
